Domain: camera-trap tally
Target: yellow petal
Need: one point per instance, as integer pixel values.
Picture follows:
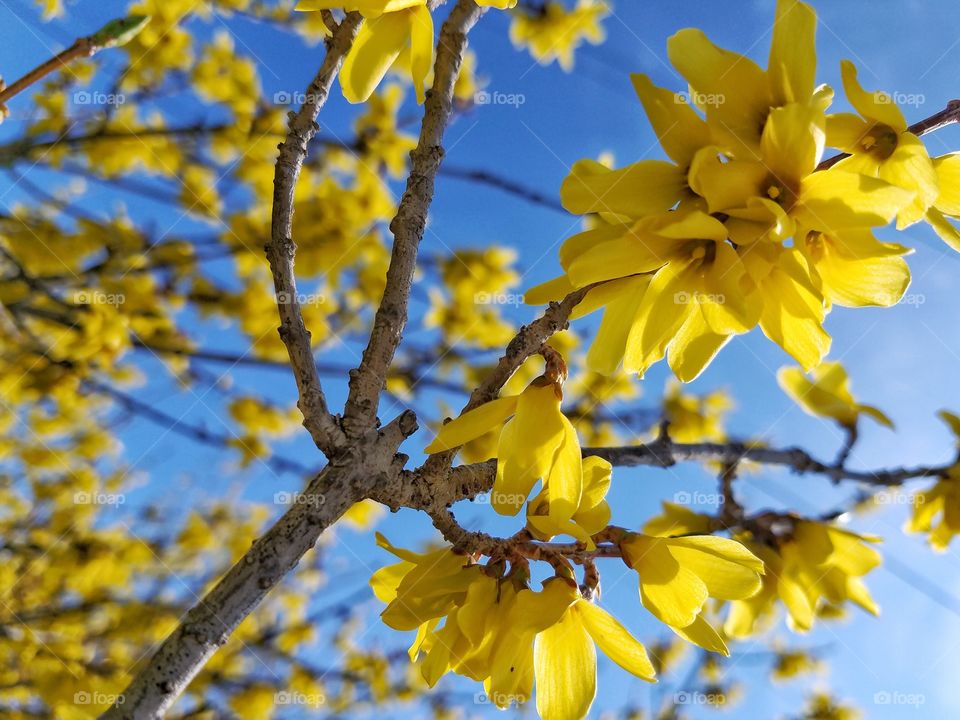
(847, 131)
(610, 342)
(472, 424)
(793, 56)
(662, 312)
(702, 633)
(834, 199)
(947, 168)
(421, 47)
(694, 347)
(565, 482)
(378, 43)
(793, 141)
(910, 168)
(878, 105)
(565, 661)
(551, 290)
(681, 131)
(615, 640)
(644, 188)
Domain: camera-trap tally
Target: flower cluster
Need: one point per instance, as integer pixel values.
(390, 28)
(745, 224)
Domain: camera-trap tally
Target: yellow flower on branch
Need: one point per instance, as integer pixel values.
(936, 511)
(818, 566)
(947, 203)
(827, 394)
(880, 145)
(592, 515)
(538, 443)
(565, 657)
(679, 575)
(389, 27)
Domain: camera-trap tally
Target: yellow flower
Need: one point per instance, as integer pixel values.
(881, 146)
(592, 515)
(389, 27)
(947, 204)
(818, 563)
(735, 93)
(537, 443)
(565, 657)
(827, 394)
(678, 575)
(770, 197)
(940, 501)
(552, 32)
(422, 586)
(678, 520)
(680, 289)
(855, 269)
(695, 418)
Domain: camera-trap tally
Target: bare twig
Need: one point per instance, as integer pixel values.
(114, 33)
(322, 425)
(368, 380)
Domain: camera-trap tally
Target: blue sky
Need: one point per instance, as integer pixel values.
(904, 359)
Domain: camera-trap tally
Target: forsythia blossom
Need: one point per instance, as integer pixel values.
(537, 443)
(745, 225)
(828, 394)
(390, 27)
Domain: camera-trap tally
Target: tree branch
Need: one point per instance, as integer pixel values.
(368, 380)
(317, 419)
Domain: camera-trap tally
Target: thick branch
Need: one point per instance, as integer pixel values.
(210, 623)
(367, 381)
(323, 426)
